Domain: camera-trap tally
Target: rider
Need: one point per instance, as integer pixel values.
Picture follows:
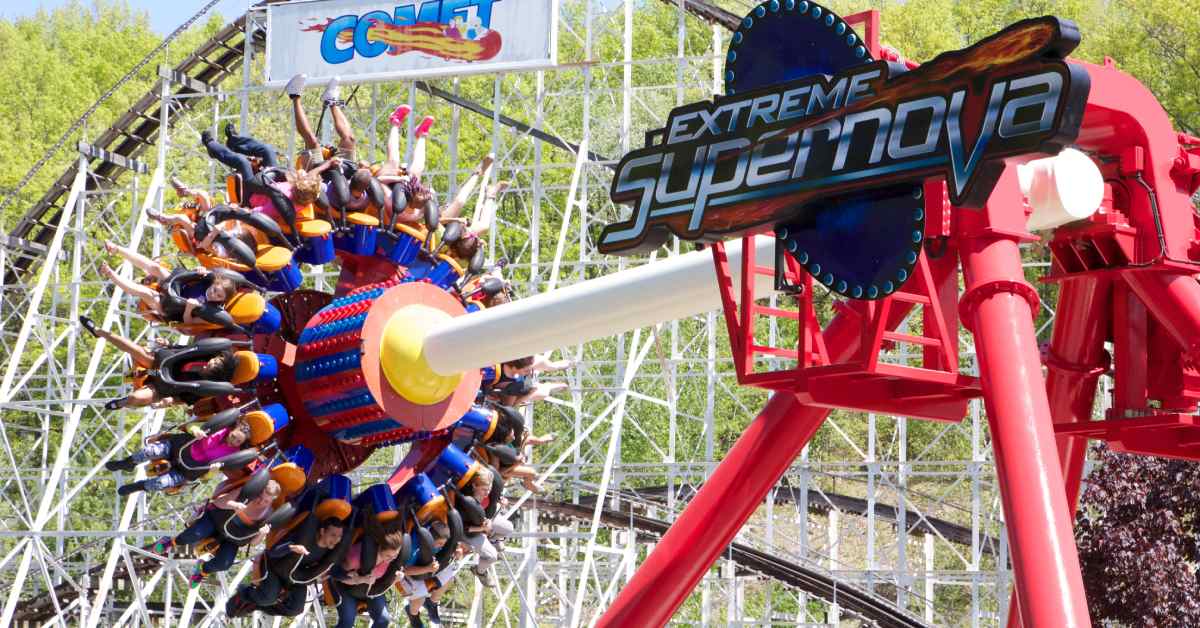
(160, 306)
(191, 455)
(301, 558)
(211, 369)
(231, 523)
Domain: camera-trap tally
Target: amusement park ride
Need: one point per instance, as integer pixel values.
(888, 183)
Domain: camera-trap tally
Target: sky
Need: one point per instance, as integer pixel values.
(165, 15)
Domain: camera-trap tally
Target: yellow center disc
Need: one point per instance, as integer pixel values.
(400, 355)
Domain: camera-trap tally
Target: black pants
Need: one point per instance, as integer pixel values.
(235, 155)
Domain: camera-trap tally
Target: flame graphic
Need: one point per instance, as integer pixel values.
(438, 40)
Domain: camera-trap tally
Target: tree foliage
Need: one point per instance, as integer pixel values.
(1137, 538)
(55, 65)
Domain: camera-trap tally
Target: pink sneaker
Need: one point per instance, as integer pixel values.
(423, 128)
(399, 115)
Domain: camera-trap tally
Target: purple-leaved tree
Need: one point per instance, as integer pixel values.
(1137, 535)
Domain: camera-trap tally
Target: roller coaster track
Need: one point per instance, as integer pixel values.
(821, 502)
(42, 608)
(870, 607)
(709, 12)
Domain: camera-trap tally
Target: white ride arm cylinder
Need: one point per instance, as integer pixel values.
(665, 290)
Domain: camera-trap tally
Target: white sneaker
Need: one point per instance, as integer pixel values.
(332, 90)
(295, 86)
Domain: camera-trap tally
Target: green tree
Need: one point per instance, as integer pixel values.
(57, 64)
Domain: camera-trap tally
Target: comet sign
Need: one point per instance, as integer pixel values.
(379, 39)
(768, 154)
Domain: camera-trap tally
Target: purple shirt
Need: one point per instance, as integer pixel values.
(212, 447)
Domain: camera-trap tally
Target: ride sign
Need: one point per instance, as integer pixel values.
(371, 40)
(766, 155)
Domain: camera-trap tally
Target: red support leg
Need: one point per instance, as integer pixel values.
(1074, 365)
(712, 519)
(716, 513)
(997, 308)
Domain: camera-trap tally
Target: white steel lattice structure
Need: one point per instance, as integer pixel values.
(647, 415)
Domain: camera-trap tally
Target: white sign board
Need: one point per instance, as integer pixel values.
(362, 40)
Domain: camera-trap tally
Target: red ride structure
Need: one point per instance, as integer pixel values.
(1127, 276)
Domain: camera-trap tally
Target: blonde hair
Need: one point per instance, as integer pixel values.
(306, 187)
(483, 477)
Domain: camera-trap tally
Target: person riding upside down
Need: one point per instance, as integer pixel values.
(190, 455)
(356, 185)
(231, 523)
(282, 191)
(302, 557)
(171, 374)
(159, 295)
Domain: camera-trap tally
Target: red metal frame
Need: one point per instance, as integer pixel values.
(1126, 276)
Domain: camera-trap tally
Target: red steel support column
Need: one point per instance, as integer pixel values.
(730, 495)
(998, 310)
(716, 513)
(1076, 361)
(1074, 365)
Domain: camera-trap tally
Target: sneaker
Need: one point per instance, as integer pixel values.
(180, 188)
(124, 464)
(295, 86)
(196, 578)
(206, 138)
(332, 90)
(423, 128)
(90, 326)
(415, 620)
(130, 489)
(434, 613)
(399, 115)
(163, 545)
(229, 131)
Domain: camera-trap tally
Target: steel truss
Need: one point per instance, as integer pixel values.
(647, 417)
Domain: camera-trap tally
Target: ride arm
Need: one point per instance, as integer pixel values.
(385, 581)
(495, 494)
(454, 522)
(505, 454)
